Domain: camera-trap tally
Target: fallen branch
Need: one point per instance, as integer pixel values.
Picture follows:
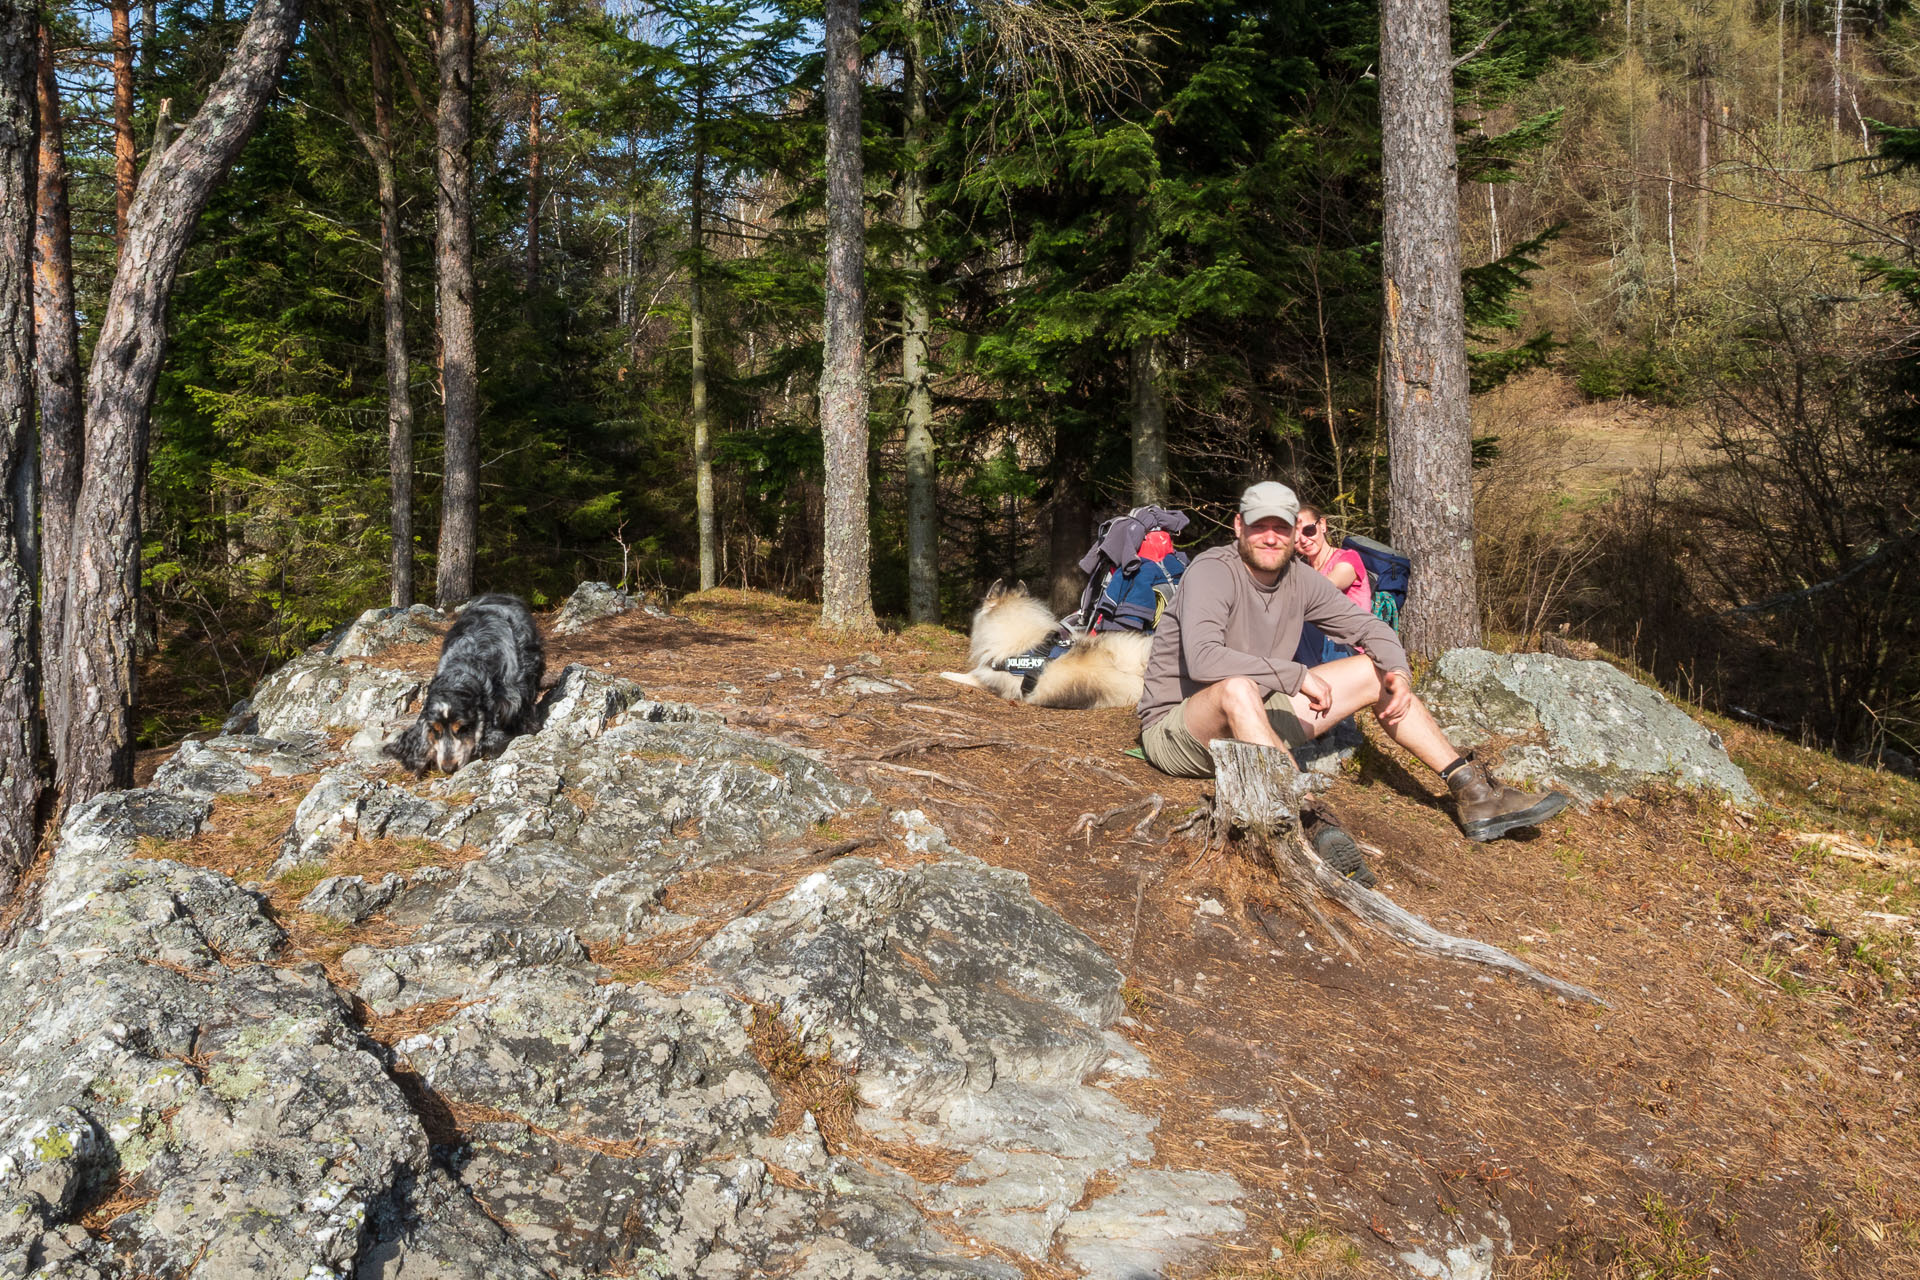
(838, 849)
(937, 742)
(928, 774)
(1261, 792)
(1089, 823)
(1852, 850)
(940, 711)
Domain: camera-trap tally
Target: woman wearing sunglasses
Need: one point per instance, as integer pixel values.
(1340, 567)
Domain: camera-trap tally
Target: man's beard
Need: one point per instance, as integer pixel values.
(1247, 554)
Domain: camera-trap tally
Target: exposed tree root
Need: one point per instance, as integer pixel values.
(1259, 795)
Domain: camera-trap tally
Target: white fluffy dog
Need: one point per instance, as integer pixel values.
(1012, 633)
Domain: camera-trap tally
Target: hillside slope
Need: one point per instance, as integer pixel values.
(920, 1083)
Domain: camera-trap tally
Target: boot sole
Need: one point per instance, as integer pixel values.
(1337, 849)
(1493, 828)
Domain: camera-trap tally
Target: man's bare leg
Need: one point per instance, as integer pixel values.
(1355, 683)
(1485, 809)
(1234, 708)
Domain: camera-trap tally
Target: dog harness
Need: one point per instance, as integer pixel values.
(1030, 664)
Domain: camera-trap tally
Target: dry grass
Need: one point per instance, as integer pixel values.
(390, 1029)
(932, 1166)
(807, 1081)
(110, 1202)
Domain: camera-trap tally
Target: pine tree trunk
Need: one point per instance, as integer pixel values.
(459, 372)
(104, 572)
(697, 334)
(1428, 431)
(916, 324)
(846, 579)
(533, 169)
(123, 148)
(56, 354)
(21, 783)
(1149, 413)
(393, 301)
(1072, 517)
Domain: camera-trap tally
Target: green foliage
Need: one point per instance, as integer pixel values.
(1643, 371)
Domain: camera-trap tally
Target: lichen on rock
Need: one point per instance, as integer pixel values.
(550, 1115)
(1585, 727)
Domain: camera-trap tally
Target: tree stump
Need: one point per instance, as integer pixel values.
(1259, 792)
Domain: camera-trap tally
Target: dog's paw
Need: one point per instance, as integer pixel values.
(962, 677)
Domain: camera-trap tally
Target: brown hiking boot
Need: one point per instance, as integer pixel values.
(1488, 810)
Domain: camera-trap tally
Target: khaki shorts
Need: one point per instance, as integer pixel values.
(1169, 748)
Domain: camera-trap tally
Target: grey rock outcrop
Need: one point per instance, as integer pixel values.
(592, 601)
(350, 899)
(315, 693)
(1586, 727)
(553, 1115)
(153, 1047)
(380, 629)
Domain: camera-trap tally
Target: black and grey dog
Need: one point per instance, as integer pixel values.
(483, 692)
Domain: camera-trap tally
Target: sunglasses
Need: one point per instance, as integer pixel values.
(1307, 530)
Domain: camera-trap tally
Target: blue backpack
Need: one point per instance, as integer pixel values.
(1388, 571)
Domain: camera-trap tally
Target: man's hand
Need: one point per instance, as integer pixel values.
(1399, 694)
(1319, 693)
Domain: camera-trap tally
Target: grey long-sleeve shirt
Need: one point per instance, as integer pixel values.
(1223, 623)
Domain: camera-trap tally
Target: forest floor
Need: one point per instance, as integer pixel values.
(1742, 1109)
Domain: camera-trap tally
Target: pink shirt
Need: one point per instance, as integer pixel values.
(1358, 590)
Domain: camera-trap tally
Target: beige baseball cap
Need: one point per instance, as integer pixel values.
(1269, 498)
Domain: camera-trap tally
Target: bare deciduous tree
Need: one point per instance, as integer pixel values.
(95, 752)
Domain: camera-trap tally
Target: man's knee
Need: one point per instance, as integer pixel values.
(1242, 692)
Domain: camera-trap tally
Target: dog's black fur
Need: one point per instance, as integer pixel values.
(483, 692)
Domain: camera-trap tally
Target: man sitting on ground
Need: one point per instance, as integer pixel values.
(1222, 667)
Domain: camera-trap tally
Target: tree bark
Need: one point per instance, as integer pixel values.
(1149, 413)
(103, 581)
(916, 325)
(846, 575)
(533, 168)
(1428, 432)
(123, 148)
(21, 783)
(393, 302)
(1072, 518)
(697, 337)
(56, 354)
(459, 372)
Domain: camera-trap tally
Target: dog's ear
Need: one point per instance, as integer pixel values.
(410, 748)
(995, 591)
